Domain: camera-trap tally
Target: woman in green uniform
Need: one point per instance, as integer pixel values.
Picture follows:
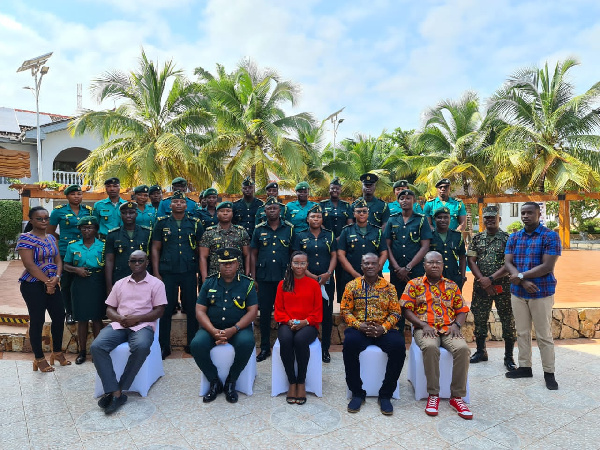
(84, 260)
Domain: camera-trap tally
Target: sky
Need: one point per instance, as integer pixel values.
(385, 61)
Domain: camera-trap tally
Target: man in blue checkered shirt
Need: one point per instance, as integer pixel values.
(531, 254)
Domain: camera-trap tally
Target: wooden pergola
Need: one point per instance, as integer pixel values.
(29, 191)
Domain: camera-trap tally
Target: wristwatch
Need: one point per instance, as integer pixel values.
(520, 276)
(491, 277)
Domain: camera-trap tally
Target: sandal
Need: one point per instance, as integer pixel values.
(60, 357)
(290, 400)
(43, 365)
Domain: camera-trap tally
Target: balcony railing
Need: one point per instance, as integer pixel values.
(68, 177)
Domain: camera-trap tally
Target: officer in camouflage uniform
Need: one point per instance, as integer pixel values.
(224, 234)
(244, 209)
(121, 242)
(65, 217)
(450, 245)
(227, 305)
(486, 260)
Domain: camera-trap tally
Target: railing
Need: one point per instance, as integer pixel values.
(67, 177)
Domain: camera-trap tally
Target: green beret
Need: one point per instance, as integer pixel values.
(87, 220)
(112, 180)
(369, 178)
(405, 192)
(360, 203)
(178, 195)
(143, 189)
(248, 182)
(302, 185)
(491, 211)
(272, 201)
(210, 191)
(315, 209)
(400, 184)
(335, 181)
(154, 188)
(224, 205)
(272, 184)
(127, 205)
(442, 182)
(442, 210)
(179, 180)
(228, 254)
(72, 188)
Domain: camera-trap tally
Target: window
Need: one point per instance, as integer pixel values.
(514, 210)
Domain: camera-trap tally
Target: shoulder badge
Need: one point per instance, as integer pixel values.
(89, 208)
(145, 227)
(74, 240)
(212, 227)
(60, 206)
(114, 229)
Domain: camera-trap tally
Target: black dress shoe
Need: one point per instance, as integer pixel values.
(521, 372)
(104, 401)
(69, 319)
(326, 356)
(264, 354)
(509, 362)
(216, 387)
(231, 394)
(80, 359)
(115, 403)
(478, 356)
(166, 352)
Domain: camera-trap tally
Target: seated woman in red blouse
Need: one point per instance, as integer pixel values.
(299, 311)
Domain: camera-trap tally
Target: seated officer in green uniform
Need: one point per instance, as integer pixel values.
(272, 190)
(208, 215)
(297, 210)
(357, 240)
(458, 212)
(155, 196)
(269, 255)
(244, 209)
(65, 217)
(336, 212)
(177, 185)
(175, 240)
(84, 260)
(379, 213)
(451, 246)
(227, 305)
(407, 236)
(224, 234)
(107, 210)
(146, 214)
(394, 206)
(121, 242)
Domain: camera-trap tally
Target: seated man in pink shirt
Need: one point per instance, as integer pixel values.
(133, 305)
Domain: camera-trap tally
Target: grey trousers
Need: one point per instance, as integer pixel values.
(108, 339)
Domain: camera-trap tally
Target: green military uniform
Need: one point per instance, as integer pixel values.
(108, 215)
(178, 267)
(244, 214)
(208, 220)
(226, 304)
(456, 207)
(164, 207)
(395, 208)
(489, 251)
(273, 257)
(122, 244)
(216, 237)
(451, 248)
(147, 217)
(335, 218)
(261, 215)
(296, 214)
(87, 293)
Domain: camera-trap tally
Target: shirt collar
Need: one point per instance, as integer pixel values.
(426, 280)
(144, 280)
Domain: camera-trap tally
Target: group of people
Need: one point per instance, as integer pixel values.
(134, 261)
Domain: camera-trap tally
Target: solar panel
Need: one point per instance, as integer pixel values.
(27, 119)
(8, 121)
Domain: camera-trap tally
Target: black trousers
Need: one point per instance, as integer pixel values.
(327, 324)
(267, 290)
(294, 348)
(189, 294)
(66, 280)
(38, 302)
(391, 343)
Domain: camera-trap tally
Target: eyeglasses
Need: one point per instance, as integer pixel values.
(434, 263)
(361, 211)
(137, 261)
(42, 219)
(299, 263)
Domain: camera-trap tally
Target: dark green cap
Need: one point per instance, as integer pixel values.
(400, 183)
(248, 182)
(154, 188)
(315, 209)
(272, 184)
(143, 189)
(491, 211)
(405, 192)
(272, 201)
(302, 185)
(336, 181)
(228, 254)
(112, 180)
(178, 195)
(210, 191)
(442, 182)
(87, 220)
(442, 210)
(128, 205)
(224, 205)
(369, 178)
(72, 188)
(360, 203)
(179, 180)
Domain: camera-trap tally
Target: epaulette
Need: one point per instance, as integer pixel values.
(325, 229)
(237, 226)
(349, 225)
(376, 226)
(246, 277)
(74, 240)
(261, 224)
(417, 214)
(212, 227)
(113, 229)
(397, 213)
(289, 224)
(146, 227)
(87, 207)
(195, 219)
(214, 275)
(162, 218)
(60, 206)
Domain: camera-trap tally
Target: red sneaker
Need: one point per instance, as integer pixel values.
(460, 407)
(433, 403)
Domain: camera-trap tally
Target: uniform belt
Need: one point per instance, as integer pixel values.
(94, 270)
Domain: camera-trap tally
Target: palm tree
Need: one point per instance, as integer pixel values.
(550, 140)
(251, 126)
(452, 142)
(154, 135)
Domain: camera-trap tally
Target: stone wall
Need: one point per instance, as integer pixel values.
(567, 323)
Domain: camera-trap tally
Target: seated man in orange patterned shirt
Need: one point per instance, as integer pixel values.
(435, 307)
(371, 310)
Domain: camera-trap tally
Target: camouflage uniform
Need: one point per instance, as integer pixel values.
(216, 237)
(489, 251)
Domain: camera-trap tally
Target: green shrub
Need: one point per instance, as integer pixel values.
(11, 215)
(515, 226)
(552, 224)
(590, 225)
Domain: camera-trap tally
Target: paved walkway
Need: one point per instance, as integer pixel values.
(57, 411)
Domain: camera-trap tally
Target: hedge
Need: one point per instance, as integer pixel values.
(10, 225)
